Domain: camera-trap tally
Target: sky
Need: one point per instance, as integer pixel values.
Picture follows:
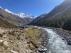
(34, 7)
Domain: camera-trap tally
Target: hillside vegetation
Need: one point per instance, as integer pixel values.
(59, 17)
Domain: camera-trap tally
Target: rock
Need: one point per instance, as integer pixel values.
(14, 51)
(1, 42)
(69, 41)
(5, 43)
(4, 36)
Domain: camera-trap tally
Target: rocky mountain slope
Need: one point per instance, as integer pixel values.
(12, 18)
(59, 17)
(4, 23)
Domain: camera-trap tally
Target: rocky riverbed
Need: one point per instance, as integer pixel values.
(19, 40)
(65, 34)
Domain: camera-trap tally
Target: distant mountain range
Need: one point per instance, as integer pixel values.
(59, 17)
(21, 15)
(8, 17)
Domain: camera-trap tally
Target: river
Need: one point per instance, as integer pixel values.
(55, 43)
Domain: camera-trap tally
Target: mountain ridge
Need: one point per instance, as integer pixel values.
(59, 17)
(12, 18)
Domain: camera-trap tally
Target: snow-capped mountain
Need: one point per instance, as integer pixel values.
(17, 19)
(22, 15)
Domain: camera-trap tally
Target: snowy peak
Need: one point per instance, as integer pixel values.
(21, 15)
(9, 11)
(17, 19)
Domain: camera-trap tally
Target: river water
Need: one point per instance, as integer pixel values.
(55, 43)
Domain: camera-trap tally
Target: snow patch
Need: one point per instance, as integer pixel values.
(22, 15)
(8, 11)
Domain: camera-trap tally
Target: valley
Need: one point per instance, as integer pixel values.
(46, 33)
